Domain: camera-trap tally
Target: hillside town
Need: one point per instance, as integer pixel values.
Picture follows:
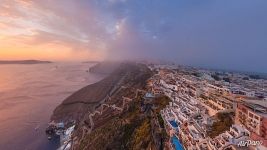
(167, 107)
(211, 110)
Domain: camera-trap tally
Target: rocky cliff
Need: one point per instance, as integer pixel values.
(113, 113)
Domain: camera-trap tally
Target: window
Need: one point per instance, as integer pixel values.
(256, 117)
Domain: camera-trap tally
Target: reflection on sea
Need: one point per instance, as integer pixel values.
(28, 96)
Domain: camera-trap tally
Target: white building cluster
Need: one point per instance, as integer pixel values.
(194, 104)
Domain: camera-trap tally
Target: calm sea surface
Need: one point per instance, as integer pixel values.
(28, 96)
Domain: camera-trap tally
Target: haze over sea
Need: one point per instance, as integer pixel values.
(28, 96)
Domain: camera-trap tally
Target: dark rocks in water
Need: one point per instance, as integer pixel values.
(50, 132)
(52, 129)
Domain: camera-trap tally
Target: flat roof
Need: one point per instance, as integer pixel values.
(259, 102)
(258, 106)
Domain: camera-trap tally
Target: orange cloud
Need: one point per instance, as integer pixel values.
(45, 52)
(33, 31)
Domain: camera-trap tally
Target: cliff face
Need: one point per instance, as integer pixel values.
(87, 98)
(113, 114)
(107, 127)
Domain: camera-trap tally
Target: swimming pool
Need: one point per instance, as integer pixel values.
(176, 143)
(174, 124)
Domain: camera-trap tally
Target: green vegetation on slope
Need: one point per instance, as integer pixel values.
(132, 129)
(142, 136)
(223, 124)
(161, 121)
(161, 102)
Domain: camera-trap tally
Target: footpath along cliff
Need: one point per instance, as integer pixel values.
(113, 113)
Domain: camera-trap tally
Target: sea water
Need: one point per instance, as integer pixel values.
(28, 96)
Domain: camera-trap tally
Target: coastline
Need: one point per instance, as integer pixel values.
(90, 96)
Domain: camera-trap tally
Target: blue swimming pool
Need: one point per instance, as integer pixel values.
(176, 143)
(174, 124)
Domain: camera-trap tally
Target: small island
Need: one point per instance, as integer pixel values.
(2, 62)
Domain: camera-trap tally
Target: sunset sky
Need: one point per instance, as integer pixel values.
(228, 34)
